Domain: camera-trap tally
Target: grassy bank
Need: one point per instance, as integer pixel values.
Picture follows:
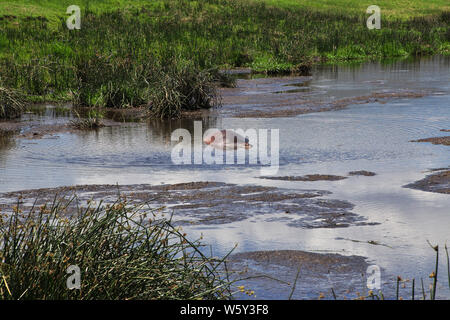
(122, 253)
(165, 54)
(125, 252)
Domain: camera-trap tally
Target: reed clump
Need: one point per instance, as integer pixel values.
(122, 251)
(181, 89)
(11, 103)
(92, 121)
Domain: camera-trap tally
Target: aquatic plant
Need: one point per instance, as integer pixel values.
(11, 103)
(181, 89)
(93, 120)
(122, 251)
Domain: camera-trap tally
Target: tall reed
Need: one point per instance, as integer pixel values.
(123, 252)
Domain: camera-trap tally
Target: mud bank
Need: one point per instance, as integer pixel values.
(362, 173)
(205, 203)
(291, 96)
(47, 121)
(437, 182)
(39, 130)
(436, 140)
(308, 177)
(273, 274)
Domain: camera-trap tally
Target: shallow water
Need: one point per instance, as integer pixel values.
(373, 136)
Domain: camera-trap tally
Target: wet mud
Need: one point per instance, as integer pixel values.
(205, 203)
(38, 130)
(274, 274)
(308, 177)
(436, 140)
(438, 182)
(291, 96)
(362, 173)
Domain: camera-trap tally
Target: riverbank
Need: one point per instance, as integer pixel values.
(437, 182)
(165, 55)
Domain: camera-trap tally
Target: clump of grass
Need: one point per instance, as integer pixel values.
(223, 79)
(123, 252)
(93, 120)
(11, 103)
(180, 89)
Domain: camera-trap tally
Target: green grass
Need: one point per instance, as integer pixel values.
(123, 252)
(128, 53)
(53, 9)
(390, 9)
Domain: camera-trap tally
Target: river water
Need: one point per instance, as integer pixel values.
(373, 136)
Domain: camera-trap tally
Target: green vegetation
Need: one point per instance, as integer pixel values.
(53, 9)
(390, 9)
(123, 252)
(92, 121)
(148, 53)
(11, 103)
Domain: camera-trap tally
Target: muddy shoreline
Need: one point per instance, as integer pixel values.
(300, 275)
(204, 203)
(292, 96)
(437, 182)
(308, 177)
(255, 98)
(36, 129)
(445, 140)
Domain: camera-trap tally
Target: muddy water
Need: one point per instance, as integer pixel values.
(373, 112)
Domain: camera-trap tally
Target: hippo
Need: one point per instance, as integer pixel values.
(226, 139)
